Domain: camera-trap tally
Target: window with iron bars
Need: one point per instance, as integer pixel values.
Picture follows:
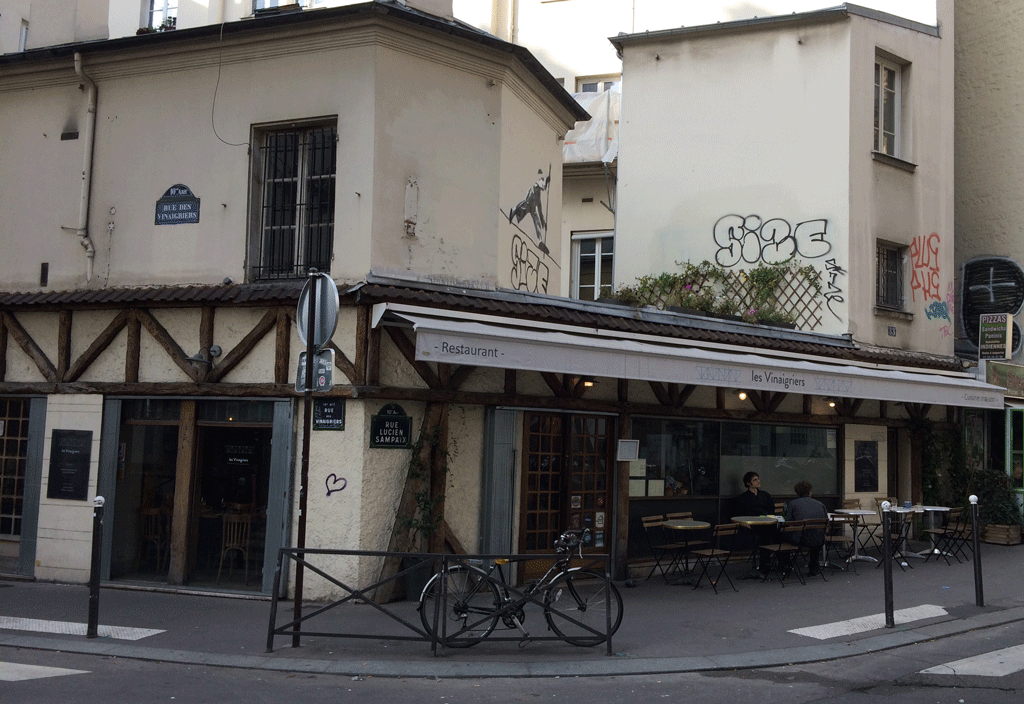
(889, 287)
(296, 174)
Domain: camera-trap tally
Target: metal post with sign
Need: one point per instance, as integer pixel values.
(316, 321)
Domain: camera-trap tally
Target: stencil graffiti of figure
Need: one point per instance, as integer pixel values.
(531, 205)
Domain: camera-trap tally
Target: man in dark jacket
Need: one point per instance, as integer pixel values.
(755, 501)
(802, 508)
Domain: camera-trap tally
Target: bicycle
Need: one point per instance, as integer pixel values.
(576, 605)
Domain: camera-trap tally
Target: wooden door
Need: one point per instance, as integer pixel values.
(567, 479)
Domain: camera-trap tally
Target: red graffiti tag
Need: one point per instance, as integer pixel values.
(924, 257)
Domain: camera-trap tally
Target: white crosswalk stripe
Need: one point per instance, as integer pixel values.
(15, 672)
(869, 623)
(997, 663)
(74, 629)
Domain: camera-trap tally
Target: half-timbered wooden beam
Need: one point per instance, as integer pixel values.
(99, 344)
(240, 351)
(29, 347)
(408, 350)
(282, 347)
(63, 343)
(132, 350)
(169, 345)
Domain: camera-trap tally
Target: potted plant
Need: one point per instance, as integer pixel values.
(997, 507)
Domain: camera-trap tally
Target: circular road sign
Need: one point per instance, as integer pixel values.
(325, 300)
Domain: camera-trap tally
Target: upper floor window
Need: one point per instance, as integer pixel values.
(889, 279)
(163, 14)
(294, 216)
(592, 260)
(23, 36)
(596, 84)
(888, 76)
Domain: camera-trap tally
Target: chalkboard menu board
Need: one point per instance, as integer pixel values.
(70, 453)
(328, 414)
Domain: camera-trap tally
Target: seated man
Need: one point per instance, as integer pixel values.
(802, 508)
(755, 501)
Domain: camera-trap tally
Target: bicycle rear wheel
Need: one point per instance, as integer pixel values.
(472, 602)
(577, 607)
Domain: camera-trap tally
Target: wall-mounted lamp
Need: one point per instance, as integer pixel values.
(830, 401)
(588, 381)
(198, 357)
(742, 395)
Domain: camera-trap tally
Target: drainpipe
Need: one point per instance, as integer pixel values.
(90, 138)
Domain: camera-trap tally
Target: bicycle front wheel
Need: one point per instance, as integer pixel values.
(472, 603)
(578, 608)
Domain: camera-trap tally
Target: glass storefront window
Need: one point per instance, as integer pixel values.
(681, 456)
(782, 455)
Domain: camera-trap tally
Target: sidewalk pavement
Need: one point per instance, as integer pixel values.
(665, 628)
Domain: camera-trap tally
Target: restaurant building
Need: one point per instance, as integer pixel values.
(148, 341)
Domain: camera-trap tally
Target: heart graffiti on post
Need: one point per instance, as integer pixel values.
(335, 483)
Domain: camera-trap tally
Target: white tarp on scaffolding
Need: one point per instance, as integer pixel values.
(597, 139)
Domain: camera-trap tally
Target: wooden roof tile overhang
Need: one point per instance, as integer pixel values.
(648, 321)
(500, 303)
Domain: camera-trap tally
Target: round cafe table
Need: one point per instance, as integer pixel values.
(751, 523)
(862, 528)
(686, 526)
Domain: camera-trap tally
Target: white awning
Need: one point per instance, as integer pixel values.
(589, 352)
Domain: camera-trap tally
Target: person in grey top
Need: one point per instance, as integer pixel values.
(802, 508)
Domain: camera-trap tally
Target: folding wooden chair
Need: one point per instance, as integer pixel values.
(722, 536)
(940, 538)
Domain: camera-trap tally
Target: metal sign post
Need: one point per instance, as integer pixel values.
(317, 318)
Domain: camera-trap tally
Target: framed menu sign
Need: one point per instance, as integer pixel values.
(70, 453)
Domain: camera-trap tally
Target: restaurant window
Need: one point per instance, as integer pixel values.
(676, 458)
(782, 455)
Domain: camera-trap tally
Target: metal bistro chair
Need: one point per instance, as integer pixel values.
(722, 537)
(899, 534)
(815, 534)
(654, 535)
(839, 544)
(782, 554)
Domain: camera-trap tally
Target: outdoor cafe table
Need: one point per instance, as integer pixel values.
(861, 528)
(932, 513)
(685, 526)
(750, 523)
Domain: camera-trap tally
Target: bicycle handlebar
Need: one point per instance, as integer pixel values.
(572, 538)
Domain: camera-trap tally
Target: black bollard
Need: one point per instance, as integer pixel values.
(979, 592)
(890, 618)
(92, 631)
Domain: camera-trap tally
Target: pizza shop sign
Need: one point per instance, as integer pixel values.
(391, 428)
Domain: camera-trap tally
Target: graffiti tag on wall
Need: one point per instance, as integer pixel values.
(991, 285)
(752, 240)
(529, 273)
(924, 277)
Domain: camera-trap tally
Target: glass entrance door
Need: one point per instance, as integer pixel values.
(191, 490)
